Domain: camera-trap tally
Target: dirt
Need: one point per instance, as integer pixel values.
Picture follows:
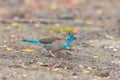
(95, 55)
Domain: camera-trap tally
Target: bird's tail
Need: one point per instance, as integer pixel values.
(33, 41)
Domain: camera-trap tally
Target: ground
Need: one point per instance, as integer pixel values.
(95, 55)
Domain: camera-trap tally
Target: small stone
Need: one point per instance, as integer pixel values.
(115, 49)
(12, 36)
(75, 77)
(24, 75)
(103, 73)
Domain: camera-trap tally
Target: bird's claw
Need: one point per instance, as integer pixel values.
(54, 55)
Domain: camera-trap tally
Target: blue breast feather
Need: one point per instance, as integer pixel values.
(65, 45)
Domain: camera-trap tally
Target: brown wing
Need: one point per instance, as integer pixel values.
(49, 40)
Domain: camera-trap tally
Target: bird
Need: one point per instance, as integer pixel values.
(53, 44)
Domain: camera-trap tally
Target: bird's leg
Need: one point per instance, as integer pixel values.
(54, 55)
(43, 50)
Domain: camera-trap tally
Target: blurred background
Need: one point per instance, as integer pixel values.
(58, 8)
(76, 13)
(95, 54)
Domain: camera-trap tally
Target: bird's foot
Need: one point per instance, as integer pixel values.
(54, 55)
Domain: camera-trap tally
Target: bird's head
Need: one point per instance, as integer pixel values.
(70, 37)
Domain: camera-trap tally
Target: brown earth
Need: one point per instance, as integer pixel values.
(95, 55)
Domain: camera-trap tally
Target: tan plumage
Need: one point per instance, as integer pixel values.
(49, 40)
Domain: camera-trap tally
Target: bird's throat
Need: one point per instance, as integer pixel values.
(65, 45)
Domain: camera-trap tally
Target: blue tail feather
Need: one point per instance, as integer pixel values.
(33, 41)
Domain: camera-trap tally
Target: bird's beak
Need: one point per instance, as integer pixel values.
(75, 38)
